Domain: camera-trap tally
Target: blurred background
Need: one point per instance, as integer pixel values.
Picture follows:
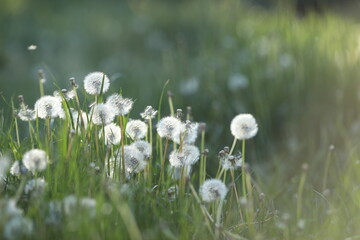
(293, 64)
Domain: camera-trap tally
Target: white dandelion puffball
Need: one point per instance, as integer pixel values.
(94, 81)
(189, 135)
(112, 134)
(134, 159)
(149, 113)
(72, 205)
(49, 107)
(79, 120)
(169, 127)
(136, 129)
(189, 155)
(35, 160)
(26, 114)
(35, 187)
(15, 169)
(243, 126)
(144, 147)
(121, 105)
(102, 114)
(231, 162)
(213, 189)
(18, 227)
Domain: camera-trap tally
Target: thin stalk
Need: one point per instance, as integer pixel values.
(243, 178)
(236, 192)
(233, 146)
(202, 170)
(162, 170)
(122, 169)
(299, 195)
(326, 172)
(218, 219)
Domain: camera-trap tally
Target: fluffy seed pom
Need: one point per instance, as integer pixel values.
(102, 114)
(144, 147)
(188, 156)
(230, 162)
(93, 82)
(35, 160)
(243, 126)
(121, 105)
(169, 127)
(49, 107)
(134, 159)
(18, 227)
(213, 189)
(136, 129)
(15, 169)
(112, 134)
(26, 114)
(190, 134)
(149, 113)
(35, 187)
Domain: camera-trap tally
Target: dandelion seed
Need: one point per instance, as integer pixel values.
(102, 114)
(213, 189)
(188, 156)
(112, 134)
(149, 113)
(136, 129)
(170, 127)
(93, 83)
(18, 228)
(32, 47)
(35, 160)
(49, 107)
(35, 187)
(68, 95)
(144, 147)
(121, 105)
(243, 126)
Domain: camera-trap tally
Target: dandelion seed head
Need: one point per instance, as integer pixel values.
(243, 126)
(136, 129)
(15, 169)
(144, 147)
(26, 114)
(169, 127)
(35, 160)
(32, 47)
(49, 107)
(213, 189)
(94, 81)
(190, 133)
(102, 114)
(149, 113)
(134, 159)
(35, 187)
(230, 162)
(18, 228)
(188, 155)
(112, 134)
(121, 105)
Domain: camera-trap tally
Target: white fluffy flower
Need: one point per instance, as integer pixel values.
(188, 156)
(189, 135)
(15, 169)
(144, 147)
(136, 129)
(35, 187)
(121, 105)
(243, 126)
(149, 113)
(170, 127)
(102, 114)
(229, 162)
(112, 134)
(73, 205)
(26, 114)
(213, 189)
(134, 159)
(35, 160)
(94, 81)
(79, 120)
(49, 107)
(4, 165)
(18, 228)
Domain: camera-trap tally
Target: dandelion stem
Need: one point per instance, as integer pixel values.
(233, 146)
(202, 168)
(243, 178)
(299, 195)
(122, 148)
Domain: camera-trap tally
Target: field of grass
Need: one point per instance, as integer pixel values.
(299, 78)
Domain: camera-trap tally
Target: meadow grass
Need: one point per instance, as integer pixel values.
(303, 172)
